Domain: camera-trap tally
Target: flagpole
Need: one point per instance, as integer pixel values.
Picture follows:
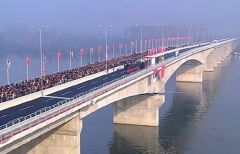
(141, 37)
(27, 72)
(156, 45)
(136, 46)
(90, 56)
(152, 43)
(113, 51)
(120, 46)
(162, 34)
(8, 75)
(149, 44)
(70, 61)
(81, 59)
(126, 49)
(58, 61)
(145, 45)
(44, 61)
(81, 55)
(106, 48)
(99, 50)
(58, 64)
(131, 47)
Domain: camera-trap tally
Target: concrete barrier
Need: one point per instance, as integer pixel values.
(24, 99)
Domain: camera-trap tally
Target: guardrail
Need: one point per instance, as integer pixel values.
(21, 124)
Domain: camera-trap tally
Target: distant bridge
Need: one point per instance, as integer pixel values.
(53, 124)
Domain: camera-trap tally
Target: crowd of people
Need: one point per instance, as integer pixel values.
(11, 91)
(14, 90)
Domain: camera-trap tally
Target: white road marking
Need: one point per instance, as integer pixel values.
(174, 92)
(48, 100)
(3, 116)
(26, 108)
(105, 78)
(66, 93)
(56, 97)
(81, 87)
(94, 82)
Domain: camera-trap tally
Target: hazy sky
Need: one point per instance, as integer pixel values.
(85, 15)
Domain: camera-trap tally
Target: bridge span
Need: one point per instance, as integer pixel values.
(53, 123)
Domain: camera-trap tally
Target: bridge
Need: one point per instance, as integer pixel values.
(52, 123)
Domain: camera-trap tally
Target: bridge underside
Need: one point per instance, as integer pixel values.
(190, 72)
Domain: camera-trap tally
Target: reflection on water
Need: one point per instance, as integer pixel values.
(187, 106)
(135, 140)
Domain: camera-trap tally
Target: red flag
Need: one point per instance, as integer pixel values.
(27, 60)
(99, 49)
(162, 71)
(59, 55)
(81, 52)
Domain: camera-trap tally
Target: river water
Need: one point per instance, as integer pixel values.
(196, 118)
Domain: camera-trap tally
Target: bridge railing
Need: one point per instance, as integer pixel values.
(21, 124)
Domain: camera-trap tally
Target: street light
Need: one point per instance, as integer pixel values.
(106, 42)
(163, 33)
(141, 41)
(177, 36)
(40, 29)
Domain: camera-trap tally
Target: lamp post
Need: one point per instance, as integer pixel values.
(162, 29)
(40, 29)
(106, 42)
(141, 40)
(177, 36)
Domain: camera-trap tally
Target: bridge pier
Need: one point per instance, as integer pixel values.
(189, 73)
(138, 110)
(64, 139)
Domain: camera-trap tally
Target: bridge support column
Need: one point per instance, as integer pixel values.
(189, 73)
(64, 139)
(138, 110)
